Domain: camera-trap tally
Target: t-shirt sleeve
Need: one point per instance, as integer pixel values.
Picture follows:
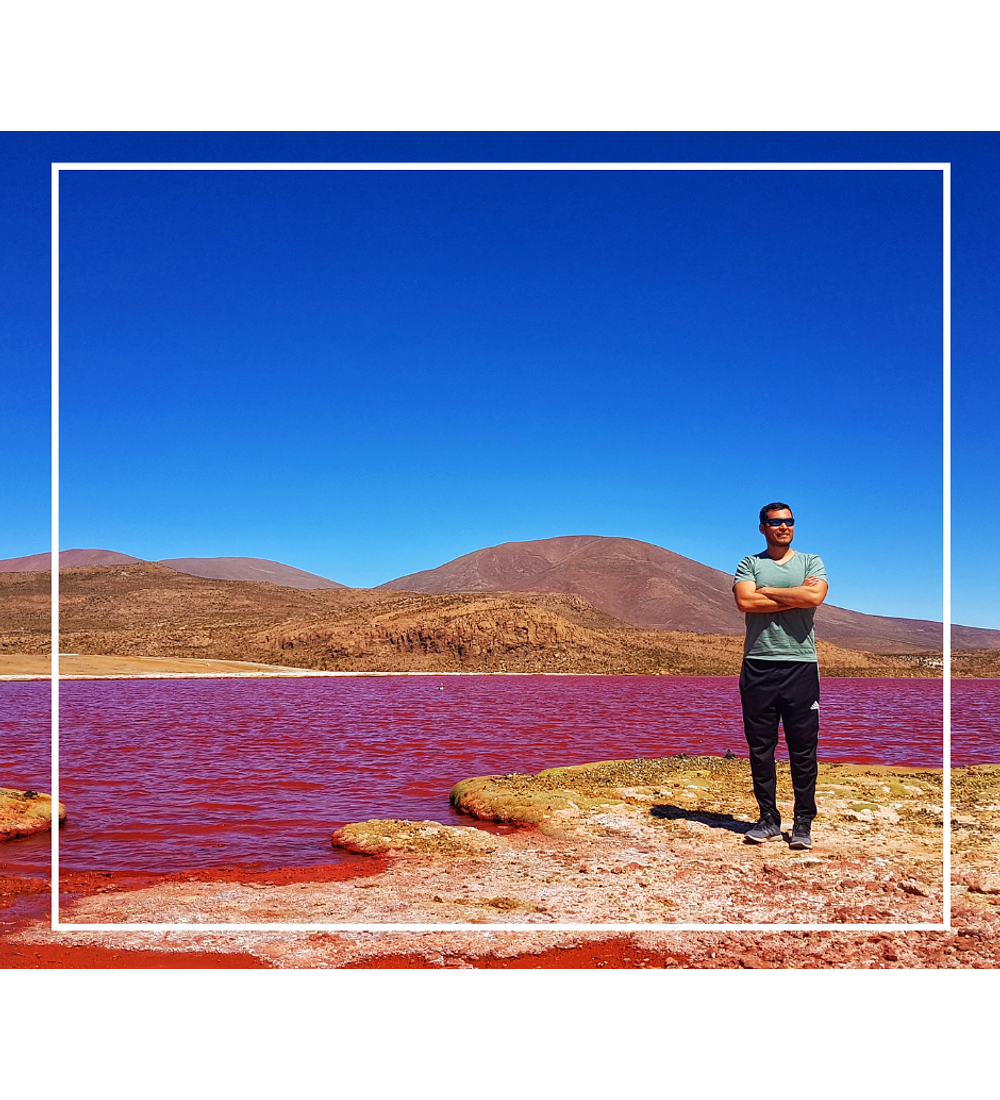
(815, 567)
(745, 571)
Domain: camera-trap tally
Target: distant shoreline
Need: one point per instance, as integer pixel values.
(33, 667)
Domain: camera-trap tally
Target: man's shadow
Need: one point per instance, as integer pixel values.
(703, 817)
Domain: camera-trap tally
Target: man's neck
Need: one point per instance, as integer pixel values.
(779, 554)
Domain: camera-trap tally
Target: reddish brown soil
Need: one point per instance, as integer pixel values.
(75, 884)
(619, 954)
(971, 944)
(963, 948)
(82, 883)
(88, 957)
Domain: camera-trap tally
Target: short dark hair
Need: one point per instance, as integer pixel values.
(774, 506)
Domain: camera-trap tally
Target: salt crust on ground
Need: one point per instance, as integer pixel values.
(633, 842)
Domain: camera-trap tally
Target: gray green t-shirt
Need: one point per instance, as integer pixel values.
(780, 635)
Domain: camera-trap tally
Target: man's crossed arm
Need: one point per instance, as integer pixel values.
(811, 593)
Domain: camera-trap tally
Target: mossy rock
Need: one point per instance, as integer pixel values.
(24, 813)
(393, 836)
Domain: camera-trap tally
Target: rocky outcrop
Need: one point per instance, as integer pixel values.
(24, 813)
(395, 837)
(477, 632)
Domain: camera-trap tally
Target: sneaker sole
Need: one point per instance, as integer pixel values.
(801, 845)
(753, 840)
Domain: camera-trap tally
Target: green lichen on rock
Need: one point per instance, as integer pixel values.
(24, 813)
(393, 836)
(518, 800)
(560, 795)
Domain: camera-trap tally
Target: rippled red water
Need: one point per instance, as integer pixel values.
(168, 775)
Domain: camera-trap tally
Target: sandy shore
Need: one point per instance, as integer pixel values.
(623, 843)
(78, 666)
(74, 666)
(621, 847)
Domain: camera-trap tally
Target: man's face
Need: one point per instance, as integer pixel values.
(778, 536)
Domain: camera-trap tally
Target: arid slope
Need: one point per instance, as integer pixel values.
(650, 587)
(149, 610)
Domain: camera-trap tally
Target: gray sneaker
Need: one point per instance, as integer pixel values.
(765, 829)
(801, 834)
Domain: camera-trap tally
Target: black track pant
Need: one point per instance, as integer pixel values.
(787, 691)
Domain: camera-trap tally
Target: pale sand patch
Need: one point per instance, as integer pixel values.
(83, 666)
(79, 666)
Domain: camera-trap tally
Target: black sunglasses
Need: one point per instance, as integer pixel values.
(779, 522)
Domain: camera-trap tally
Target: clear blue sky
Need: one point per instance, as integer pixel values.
(368, 374)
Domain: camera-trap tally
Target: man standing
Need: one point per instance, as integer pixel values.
(779, 589)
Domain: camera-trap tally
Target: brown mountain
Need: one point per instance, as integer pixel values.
(221, 569)
(68, 559)
(650, 587)
(249, 569)
(149, 610)
(636, 582)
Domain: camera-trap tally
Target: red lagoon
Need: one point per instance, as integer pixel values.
(168, 775)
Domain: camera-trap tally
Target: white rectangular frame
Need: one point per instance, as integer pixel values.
(197, 926)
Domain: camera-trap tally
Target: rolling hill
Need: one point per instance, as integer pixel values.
(653, 588)
(636, 583)
(220, 569)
